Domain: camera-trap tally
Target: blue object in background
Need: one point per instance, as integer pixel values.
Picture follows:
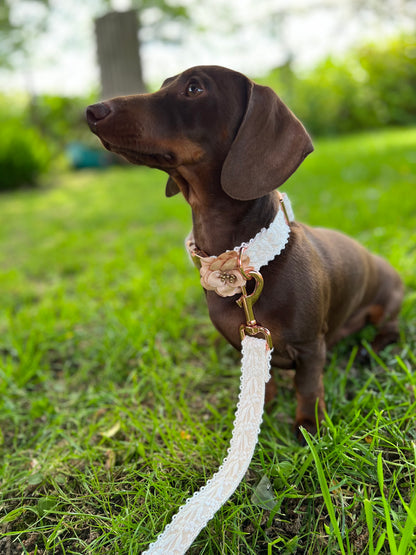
(82, 156)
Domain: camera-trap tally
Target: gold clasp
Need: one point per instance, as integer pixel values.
(251, 327)
(246, 301)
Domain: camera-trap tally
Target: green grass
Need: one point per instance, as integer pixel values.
(117, 395)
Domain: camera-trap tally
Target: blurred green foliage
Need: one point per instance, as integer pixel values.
(372, 87)
(35, 133)
(24, 154)
(61, 118)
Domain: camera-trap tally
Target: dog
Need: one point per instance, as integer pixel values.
(227, 144)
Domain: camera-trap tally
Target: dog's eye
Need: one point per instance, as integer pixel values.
(193, 89)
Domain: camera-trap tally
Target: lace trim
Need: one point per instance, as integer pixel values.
(263, 247)
(202, 506)
(269, 242)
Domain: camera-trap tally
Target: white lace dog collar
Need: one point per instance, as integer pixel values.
(222, 273)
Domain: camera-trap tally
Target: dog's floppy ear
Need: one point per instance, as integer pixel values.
(171, 188)
(270, 144)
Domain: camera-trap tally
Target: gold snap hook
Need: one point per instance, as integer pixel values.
(247, 301)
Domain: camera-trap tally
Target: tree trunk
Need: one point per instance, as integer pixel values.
(118, 50)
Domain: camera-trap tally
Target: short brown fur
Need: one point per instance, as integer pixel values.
(227, 144)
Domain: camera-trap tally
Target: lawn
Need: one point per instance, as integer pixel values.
(117, 395)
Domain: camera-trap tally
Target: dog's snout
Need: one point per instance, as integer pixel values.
(97, 112)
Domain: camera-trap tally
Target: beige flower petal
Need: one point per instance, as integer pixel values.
(229, 264)
(222, 274)
(207, 261)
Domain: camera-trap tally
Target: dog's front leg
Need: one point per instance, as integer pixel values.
(310, 360)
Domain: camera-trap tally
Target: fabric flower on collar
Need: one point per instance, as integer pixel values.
(222, 274)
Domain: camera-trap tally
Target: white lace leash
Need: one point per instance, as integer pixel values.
(193, 516)
(226, 277)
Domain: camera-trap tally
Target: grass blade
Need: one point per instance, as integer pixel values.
(325, 490)
(389, 527)
(409, 526)
(368, 510)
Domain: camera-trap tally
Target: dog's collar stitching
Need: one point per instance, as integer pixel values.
(221, 273)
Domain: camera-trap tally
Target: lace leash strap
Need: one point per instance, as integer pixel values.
(193, 516)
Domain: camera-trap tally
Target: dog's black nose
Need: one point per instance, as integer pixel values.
(97, 112)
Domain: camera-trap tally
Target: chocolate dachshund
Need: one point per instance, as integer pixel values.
(227, 144)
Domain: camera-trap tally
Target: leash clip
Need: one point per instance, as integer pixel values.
(246, 301)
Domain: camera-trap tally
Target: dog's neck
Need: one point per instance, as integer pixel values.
(219, 221)
(228, 223)
(220, 228)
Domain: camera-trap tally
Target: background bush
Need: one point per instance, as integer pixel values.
(373, 86)
(62, 118)
(35, 132)
(24, 154)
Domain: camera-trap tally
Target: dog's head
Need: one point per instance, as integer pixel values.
(211, 118)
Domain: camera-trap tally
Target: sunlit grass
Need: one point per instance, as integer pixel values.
(118, 395)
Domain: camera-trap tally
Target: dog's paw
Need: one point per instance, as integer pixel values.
(309, 425)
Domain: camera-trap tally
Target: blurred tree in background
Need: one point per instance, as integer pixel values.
(15, 35)
(118, 53)
(119, 43)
